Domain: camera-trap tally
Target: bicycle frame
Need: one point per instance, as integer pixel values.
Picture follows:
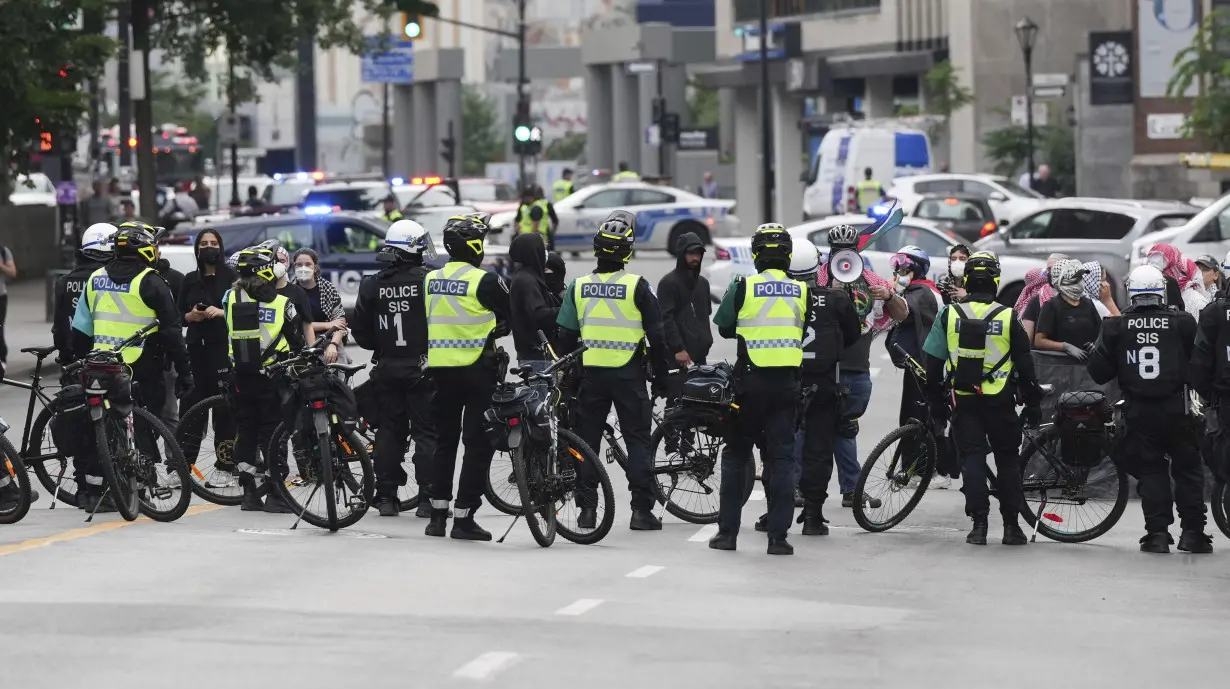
(36, 393)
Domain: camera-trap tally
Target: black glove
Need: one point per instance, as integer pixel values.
(184, 384)
(1031, 415)
(1075, 352)
(657, 386)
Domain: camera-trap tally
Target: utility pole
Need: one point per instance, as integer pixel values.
(231, 98)
(124, 98)
(92, 23)
(523, 105)
(766, 117)
(143, 116)
(384, 130)
(661, 101)
(305, 100)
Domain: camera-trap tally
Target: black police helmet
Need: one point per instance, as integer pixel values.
(771, 244)
(982, 268)
(256, 261)
(616, 237)
(463, 237)
(135, 239)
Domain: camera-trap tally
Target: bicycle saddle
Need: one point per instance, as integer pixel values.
(40, 352)
(348, 369)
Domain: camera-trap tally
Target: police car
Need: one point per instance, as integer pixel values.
(346, 242)
(662, 214)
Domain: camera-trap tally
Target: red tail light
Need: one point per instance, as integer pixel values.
(94, 401)
(318, 404)
(514, 421)
(720, 254)
(988, 228)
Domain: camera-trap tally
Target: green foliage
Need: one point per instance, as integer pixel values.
(567, 147)
(1008, 149)
(34, 47)
(1206, 62)
(944, 94)
(704, 106)
(482, 133)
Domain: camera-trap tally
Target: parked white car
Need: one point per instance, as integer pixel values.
(734, 256)
(662, 214)
(1009, 201)
(1207, 232)
(34, 189)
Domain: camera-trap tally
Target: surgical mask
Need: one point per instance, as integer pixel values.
(304, 273)
(209, 255)
(1157, 261)
(956, 268)
(903, 281)
(279, 271)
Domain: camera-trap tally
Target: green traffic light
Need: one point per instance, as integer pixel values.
(522, 133)
(413, 30)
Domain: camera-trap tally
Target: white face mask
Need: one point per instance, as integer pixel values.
(903, 281)
(304, 273)
(279, 271)
(956, 268)
(1157, 261)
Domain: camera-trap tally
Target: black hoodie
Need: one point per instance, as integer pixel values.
(534, 307)
(199, 288)
(684, 296)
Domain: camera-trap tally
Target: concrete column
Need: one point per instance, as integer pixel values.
(423, 137)
(878, 97)
(748, 179)
(599, 144)
(675, 85)
(726, 125)
(646, 91)
(403, 130)
(787, 160)
(625, 122)
(448, 108)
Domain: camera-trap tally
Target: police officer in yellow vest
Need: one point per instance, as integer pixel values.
(766, 313)
(536, 215)
(467, 309)
(978, 349)
(120, 298)
(613, 312)
(264, 327)
(870, 192)
(562, 188)
(625, 174)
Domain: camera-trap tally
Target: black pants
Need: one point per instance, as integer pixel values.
(819, 444)
(1148, 439)
(977, 421)
(4, 313)
(766, 420)
(149, 394)
(405, 411)
(258, 410)
(209, 375)
(463, 395)
(602, 388)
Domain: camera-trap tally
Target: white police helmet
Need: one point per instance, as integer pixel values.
(804, 260)
(1225, 266)
(407, 237)
(1147, 285)
(96, 241)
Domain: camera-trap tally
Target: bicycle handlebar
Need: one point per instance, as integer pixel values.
(312, 352)
(527, 374)
(915, 367)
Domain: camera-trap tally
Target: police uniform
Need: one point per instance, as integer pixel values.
(625, 176)
(561, 190)
(390, 318)
(68, 290)
(1210, 376)
(527, 224)
(869, 193)
(1147, 349)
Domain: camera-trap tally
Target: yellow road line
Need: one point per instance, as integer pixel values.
(91, 530)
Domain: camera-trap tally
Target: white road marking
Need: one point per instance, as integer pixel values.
(487, 665)
(644, 572)
(580, 607)
(757, 494)
(704, 534)
(874, 372)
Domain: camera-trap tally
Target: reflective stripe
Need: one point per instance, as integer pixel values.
(771, 326)
(118, 312)
(246, 468)
(440, 505)
(611, 324)
(5, 480)
(93, 480)
(612, 344)
(457, 344)
(997, 346)
(772, 344)
(617, 318)
(458, 325)
(267, 334)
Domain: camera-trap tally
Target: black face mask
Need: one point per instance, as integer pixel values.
(162, 265)
(210, 255)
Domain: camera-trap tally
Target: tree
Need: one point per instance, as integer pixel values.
(44, 64)
(944, 94)
(1205, 62)
(567, 147)
(704, 106)
(1007, 149)
(483, 140)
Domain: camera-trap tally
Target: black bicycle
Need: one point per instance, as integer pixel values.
(14, 481)
(206, 432)
(335, 482)
(39, 452)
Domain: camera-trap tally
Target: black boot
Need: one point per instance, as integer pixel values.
(10, 496)
(464, 528)
(423, 511)
(762, 524)
(274, 504)
(1195, 541)
(723, 541)
(1156, 542)
(439, 521)
(251, 501)
(813, 521)
(978, 534)
(588, 518)
(387, 506)
(644, 520)
(779, 546)
(1013, 534)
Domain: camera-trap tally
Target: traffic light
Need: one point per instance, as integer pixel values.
(411, 26)
(527, 138)
(669, 128)
(448, 149)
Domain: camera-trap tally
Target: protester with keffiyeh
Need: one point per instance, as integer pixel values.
(1180, 273)
(1097, 289)
(1037, 292)
(1069, 324)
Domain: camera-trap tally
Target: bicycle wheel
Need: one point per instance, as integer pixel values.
(1081, 503)
(14, 484)
(905, 453)
(210, 459)
(347, 490)
(688, 472)
(539, 509)
(408, 495)
(114, 456)
(55, 471)
(591, 490)
(1218, 504)
(162, 473)
(501, 489)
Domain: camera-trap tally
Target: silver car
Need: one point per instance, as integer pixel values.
(1088, 229)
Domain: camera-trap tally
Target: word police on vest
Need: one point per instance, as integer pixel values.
(104, 284)
(1148, 323)
(399, 291)
(995, 327)
(268, 315)
(442, 286)
(597, 290)
(776, 289)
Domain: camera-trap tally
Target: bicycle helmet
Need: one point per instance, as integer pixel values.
(407, 238)
(1147, 286)
(258, 261)
(135, 239)
(982, 269)
(843, 236)
(912, 258)
(772, 247)
(463, 238)
(615, 237)
(96, 241)
(804, 260)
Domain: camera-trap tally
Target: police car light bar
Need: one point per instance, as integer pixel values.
(319, 210)
(426, 180)
(879, 210)
(397, 181)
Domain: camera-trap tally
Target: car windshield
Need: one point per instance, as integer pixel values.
(287, 192)
(485, 191)
(422, 195)
(1016, 189)
(433, 222)
(955, 210)
(348, 199)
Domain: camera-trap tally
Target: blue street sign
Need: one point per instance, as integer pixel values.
(388, 61)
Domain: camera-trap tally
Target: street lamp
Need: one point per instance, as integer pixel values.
(1026, 34)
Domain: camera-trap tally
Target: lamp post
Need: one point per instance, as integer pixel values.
(1026, 34)
(766, 118)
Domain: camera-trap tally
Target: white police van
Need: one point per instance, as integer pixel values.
(890, 150)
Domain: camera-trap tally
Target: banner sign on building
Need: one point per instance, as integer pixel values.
(1110, 68)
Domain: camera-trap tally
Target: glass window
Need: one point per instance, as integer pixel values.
(648, 197)
(425, 197)
(1217, 229)
(482, 191)
(956, 210)
(1016, 189)
(609, 198)
(1034, 227)
(1078, 223)
(979, 189)
(351, 238)
(907, 235)
(291, 237)
(1165, 222)
(938, 186)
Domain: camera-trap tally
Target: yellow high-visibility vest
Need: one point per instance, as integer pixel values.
(770, 321)
(458, 325)
(611, 325)
(118, 312)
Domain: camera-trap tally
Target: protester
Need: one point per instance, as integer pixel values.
(1181, 278)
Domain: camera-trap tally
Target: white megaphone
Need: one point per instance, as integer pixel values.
(846, 265)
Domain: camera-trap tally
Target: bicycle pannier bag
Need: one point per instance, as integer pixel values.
(713, 385)
(1081, 418)
(70, 426)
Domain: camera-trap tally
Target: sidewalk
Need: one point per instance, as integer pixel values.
(26, 326)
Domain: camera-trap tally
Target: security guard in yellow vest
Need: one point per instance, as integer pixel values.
(562, 188)
(613, 312)
(625, 174)
(467, 309)
(120, 298)
(391, 212)
(264, 327)
(870, 192)
(766, 313)
(980, 350)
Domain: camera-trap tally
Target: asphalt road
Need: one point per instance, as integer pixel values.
(224, 598)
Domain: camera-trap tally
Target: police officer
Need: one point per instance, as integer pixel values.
(613, 312)
(1210, 376)
(390, 318)
(766, 312)
(467, 309)
(984, 352)
(391, 212)
(121, 298)
(1147, 349)
(870, 192)
(94, 252)
(562, 188)
(625, 174)
(264, 326)
(536, 215)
